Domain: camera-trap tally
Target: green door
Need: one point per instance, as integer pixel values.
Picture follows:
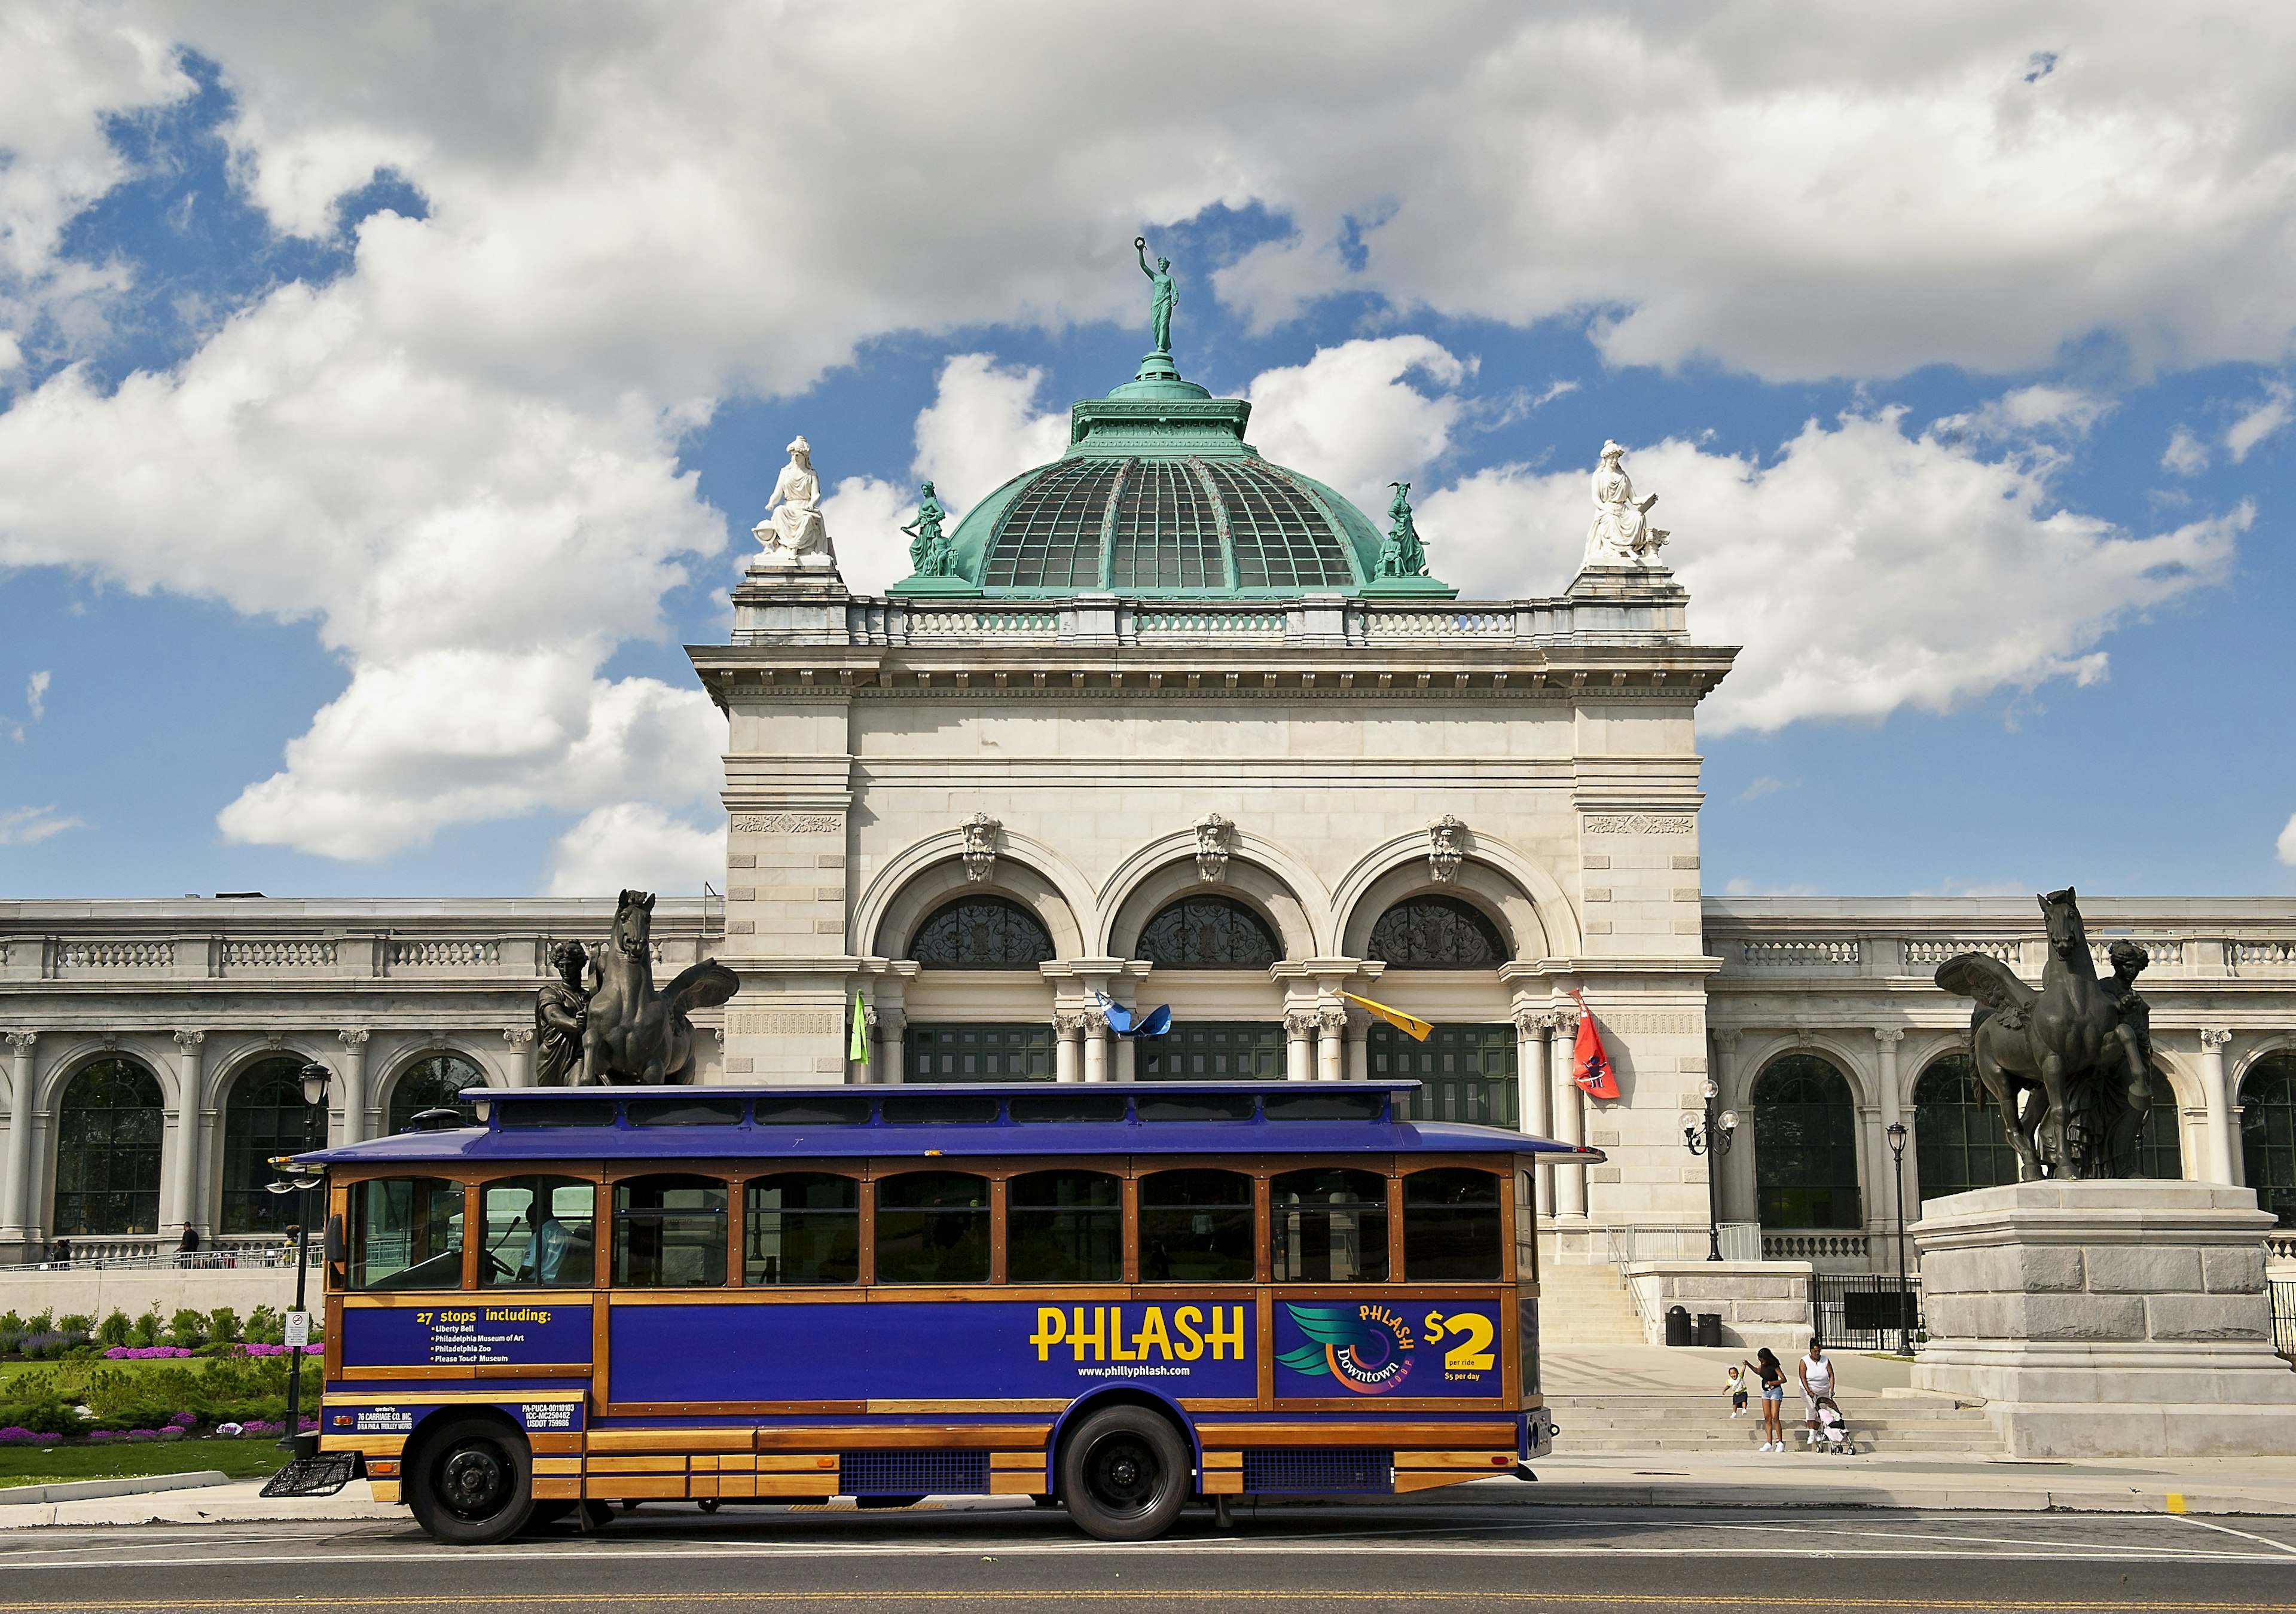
(1466, 1073)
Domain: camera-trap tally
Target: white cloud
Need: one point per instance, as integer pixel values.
(29, 827)
(2286, 845)
(35, 694)
(2030, 411)
(1867, 569)
(630, 844)
(1766, 786)
(865, 516)
(2185, 454)
(1350, 416)
(2261, 420)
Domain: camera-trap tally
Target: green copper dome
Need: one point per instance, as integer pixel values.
(1160, 496)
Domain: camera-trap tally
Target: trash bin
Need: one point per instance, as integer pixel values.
(1677, 1325)
(1710, 1329)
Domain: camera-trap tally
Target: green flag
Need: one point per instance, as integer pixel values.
(858, 1049)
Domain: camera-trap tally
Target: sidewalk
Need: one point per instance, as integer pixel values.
(2260, 1486)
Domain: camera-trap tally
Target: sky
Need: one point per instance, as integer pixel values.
(386, 392)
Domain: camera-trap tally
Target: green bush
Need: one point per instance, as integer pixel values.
(113, 1330)
(228, 1389)
(223, 1324)
(46, 1417)
(75, 1324)
(41, 1322)
(11, 1323)
(265, 1326)
(187, 1329)
(147, 1327)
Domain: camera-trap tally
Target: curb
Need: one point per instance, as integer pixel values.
(1719, 1493)
(82, 1490)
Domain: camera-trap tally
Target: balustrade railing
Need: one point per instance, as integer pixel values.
(1922, 952)
(452, 953)
(1800, 955)
(281, 954)
(116, 955)
(130, 1254)
(1815, 1246)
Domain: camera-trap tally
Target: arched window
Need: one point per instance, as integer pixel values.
(2267, 1134)
(1805, 1145)
(263, 1117)
(981, 933)
(433, 1083)
(108, 1132)
(1437, 933)
(1959, 1136)
(1208, 933)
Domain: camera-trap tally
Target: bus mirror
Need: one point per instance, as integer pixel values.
(336, 1253)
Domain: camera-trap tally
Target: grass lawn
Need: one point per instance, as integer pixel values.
(240, 1459)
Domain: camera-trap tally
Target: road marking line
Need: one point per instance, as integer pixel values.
(1138, 1594)
(2227, 1530)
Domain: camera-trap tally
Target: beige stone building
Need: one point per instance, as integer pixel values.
(1162, 724)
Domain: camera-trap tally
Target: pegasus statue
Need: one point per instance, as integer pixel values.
(2072, 1066)
(631, 1033)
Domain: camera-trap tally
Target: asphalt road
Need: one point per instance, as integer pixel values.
(1296, 1558)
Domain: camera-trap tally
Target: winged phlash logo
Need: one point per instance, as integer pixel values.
(1366, 1348)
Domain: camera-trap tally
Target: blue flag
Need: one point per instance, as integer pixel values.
(1125, 1023)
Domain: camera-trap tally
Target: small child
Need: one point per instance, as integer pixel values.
(1737, 1393)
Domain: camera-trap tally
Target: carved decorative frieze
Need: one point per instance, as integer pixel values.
(980, 832)
(1215, 842)
(1446, 846)
(786, 823)
(1642, 823)
(788, 1023)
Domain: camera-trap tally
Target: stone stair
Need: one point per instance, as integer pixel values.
(1674, 1421)
(1585, 1305)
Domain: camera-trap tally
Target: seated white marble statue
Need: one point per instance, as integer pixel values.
(794, 524)
(1621, 535)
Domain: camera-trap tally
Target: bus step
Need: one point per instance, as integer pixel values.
(312, 1476)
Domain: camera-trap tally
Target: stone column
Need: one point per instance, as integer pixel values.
(1533, 1112)
(1298, 1045)
(1095, 1045)
(1359, 1046)
(355, 1117)
(520, 1039)
(1569, 1120)
(1068, 1030)
(1331, 1052)
(888, 1033)
(1886, 1039)
(1127, 1059)
(183, 1182)
(2217, 1159)
(19, 1219)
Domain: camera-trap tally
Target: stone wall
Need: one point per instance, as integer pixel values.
(1761, 1302)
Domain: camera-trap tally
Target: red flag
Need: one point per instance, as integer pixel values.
(1590, 1067)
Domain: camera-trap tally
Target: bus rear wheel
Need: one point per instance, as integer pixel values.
(473, 1483)
(1125, 1474)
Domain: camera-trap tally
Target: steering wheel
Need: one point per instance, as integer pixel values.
(496, 1264)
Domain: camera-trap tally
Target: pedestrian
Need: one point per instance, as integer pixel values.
(59, 1253)
(1765, 1367)
(189, 1247)
(1736, 1390)
(1817, 1370)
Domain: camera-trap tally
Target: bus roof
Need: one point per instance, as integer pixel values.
(954, 1120)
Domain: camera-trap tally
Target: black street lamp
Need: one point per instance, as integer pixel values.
(315, 1079)
(1898, 1134)
(1711, 1136)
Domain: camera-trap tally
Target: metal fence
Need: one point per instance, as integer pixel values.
(2284, 1317)
(1862, 1311)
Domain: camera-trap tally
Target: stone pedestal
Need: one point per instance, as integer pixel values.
(2106, 1319)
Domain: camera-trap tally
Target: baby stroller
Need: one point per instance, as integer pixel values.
(1832, 1430)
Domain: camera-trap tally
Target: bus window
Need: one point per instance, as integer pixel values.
(406, 1233)
(1331, 1226)
(1027, 1107)
(1195, 1227)
(683, 1111)
(1451, 1230)
(932, 1227)
(538, 1230)
(669, 1233)
(1065, 1227)
(1195, 1106)
(801, 1228)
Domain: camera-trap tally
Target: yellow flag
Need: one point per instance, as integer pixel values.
(1410, 1024)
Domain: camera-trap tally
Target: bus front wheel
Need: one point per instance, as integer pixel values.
(473, 1484)
(1125, 1474)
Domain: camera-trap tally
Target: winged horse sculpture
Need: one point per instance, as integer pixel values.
(2071, 1051)
(632, 1033)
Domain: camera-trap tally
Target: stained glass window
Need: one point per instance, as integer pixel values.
(1805, 1145)
(1437, 933)
(1208, 933)
(108, 1132)
(982, 933)
(263, 1117)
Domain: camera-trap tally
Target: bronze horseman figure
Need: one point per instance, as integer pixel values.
(561, 1009)
(621, 1029)
(2078, 1052)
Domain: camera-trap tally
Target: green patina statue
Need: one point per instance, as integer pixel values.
(928, 554)
(1166, 298)
(1402, 555)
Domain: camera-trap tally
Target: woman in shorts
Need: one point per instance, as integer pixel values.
(1774, 1394)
